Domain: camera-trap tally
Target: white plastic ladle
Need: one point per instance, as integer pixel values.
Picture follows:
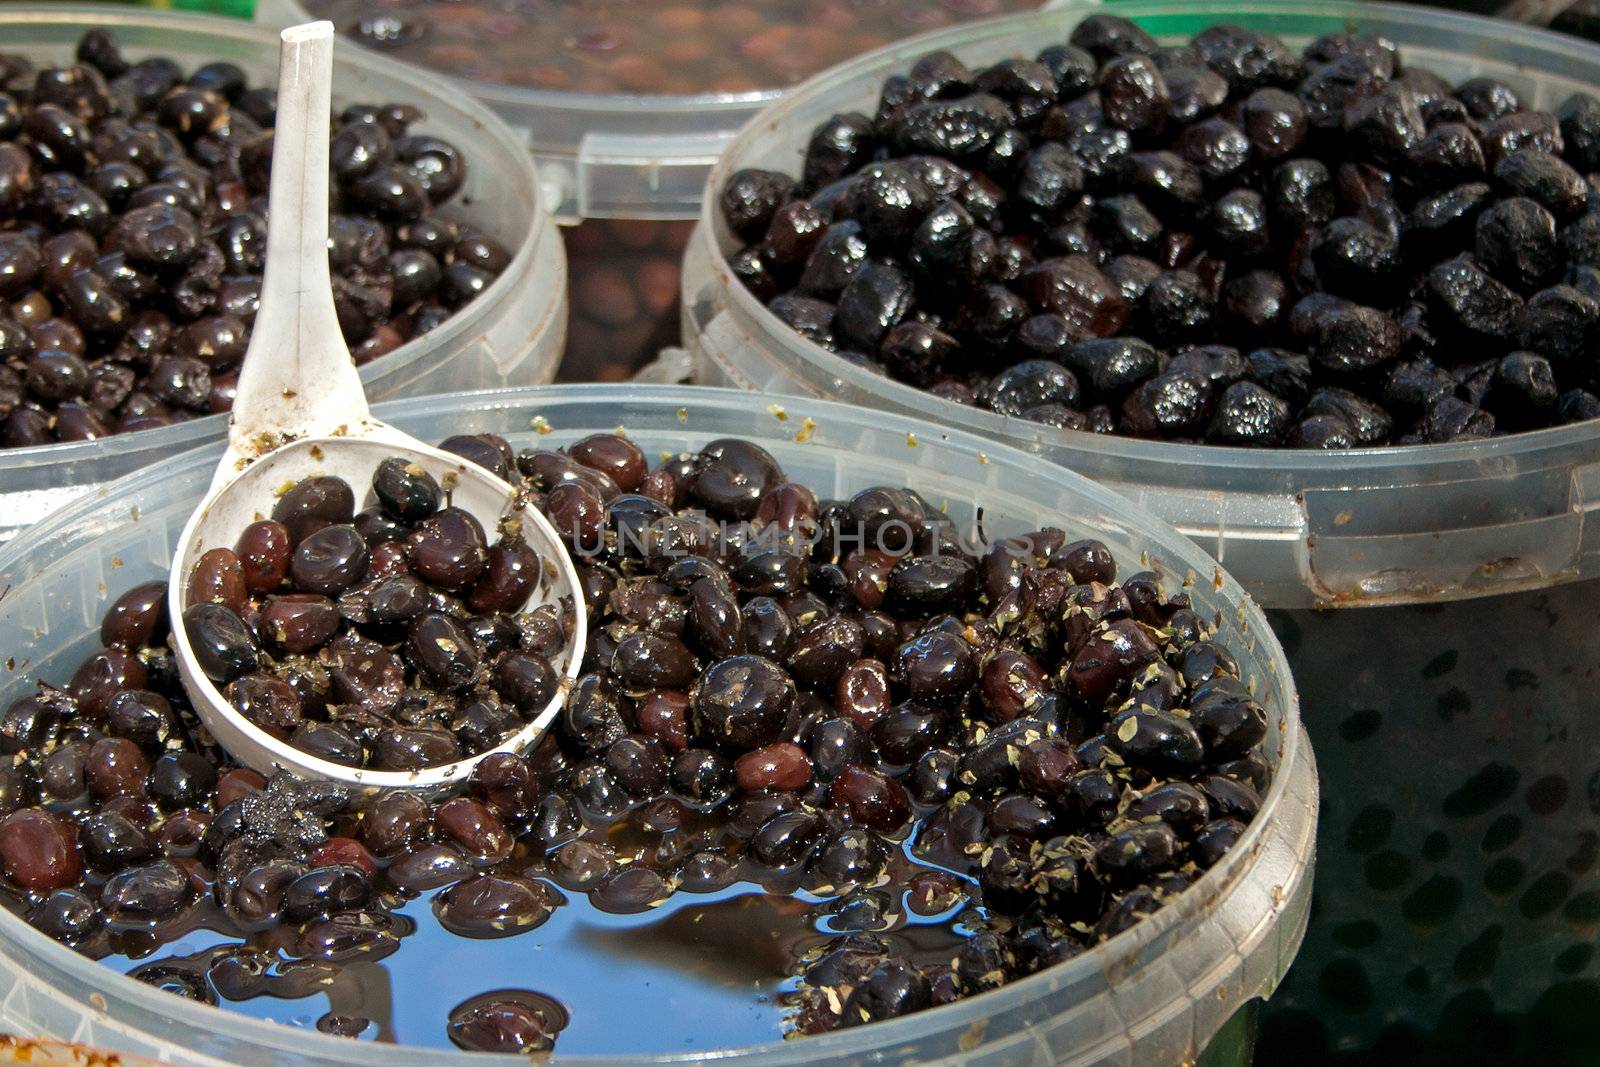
(301, 412)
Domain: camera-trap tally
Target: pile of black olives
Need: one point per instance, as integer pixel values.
(840, 697)
(1218, 241)
(133, 201)
(394, 639)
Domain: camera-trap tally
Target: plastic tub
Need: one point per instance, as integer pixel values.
(1156, 994)
(626, 170)
(1453, 713)
(511, 335)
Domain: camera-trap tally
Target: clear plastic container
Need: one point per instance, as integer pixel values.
(511, 335)
(627, 171)
(1298, 528)
(1156, 994)
(1453, 716)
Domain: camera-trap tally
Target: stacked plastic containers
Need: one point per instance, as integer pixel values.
(625, 145)
(1438, 603)
(512, 334)
(1157, 993)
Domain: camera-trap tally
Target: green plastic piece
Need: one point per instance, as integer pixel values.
(1295, 23)
(242, 9)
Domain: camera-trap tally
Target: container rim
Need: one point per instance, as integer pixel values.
(661, 103)
(714, 235)
(459, 328)
(1121, 953)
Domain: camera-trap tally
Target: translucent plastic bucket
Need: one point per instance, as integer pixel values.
(1415, 706)
(1155, 994)
(510, 335)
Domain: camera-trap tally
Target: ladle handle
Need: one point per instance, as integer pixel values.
(298, 378)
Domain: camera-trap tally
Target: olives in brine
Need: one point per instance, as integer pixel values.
(938, 772)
